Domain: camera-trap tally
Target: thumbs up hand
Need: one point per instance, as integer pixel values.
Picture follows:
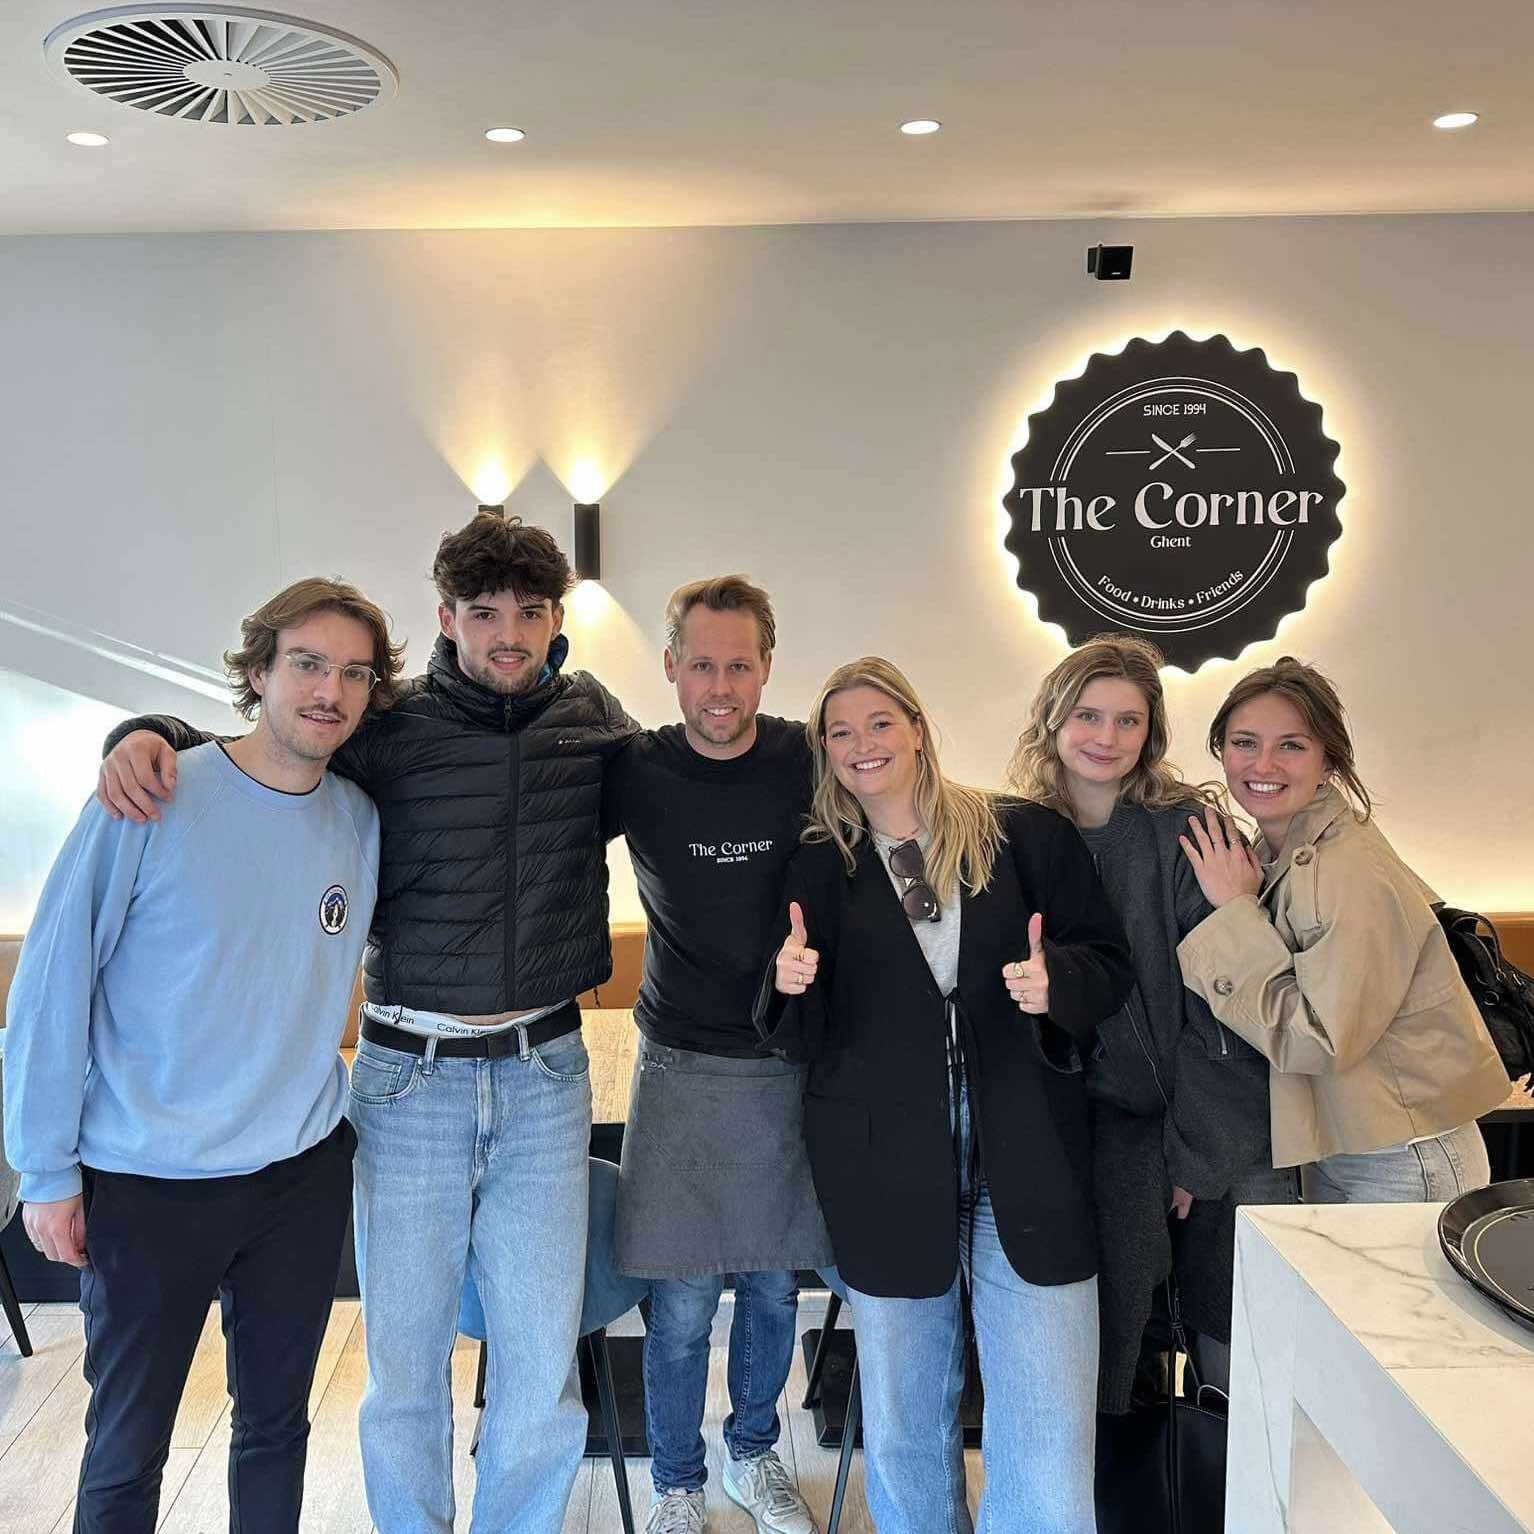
(797, 962)
(1027, 980)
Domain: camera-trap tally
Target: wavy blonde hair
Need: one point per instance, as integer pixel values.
(962, 822)
(1036, 771)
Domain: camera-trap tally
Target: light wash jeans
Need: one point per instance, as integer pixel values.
(1427, 1172)
(1038, 1361)
(676, 1369)
(471, 1168)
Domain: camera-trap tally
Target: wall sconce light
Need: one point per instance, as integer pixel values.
(495, 511)
(588, 540)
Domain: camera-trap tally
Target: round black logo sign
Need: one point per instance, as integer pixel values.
(1182, 490)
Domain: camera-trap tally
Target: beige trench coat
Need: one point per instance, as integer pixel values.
(1340, 974)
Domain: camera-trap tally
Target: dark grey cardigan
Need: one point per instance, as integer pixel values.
(1176, 1098)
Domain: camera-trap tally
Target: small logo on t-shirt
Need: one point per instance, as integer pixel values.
(333, 909)
(729, 852)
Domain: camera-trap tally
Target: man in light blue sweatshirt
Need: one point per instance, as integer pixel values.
(173, 1090)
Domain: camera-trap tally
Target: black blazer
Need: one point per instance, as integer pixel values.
(873, 1027)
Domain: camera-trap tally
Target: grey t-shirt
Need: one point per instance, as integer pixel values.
(939, 939)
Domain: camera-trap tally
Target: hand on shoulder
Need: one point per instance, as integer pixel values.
(137, 776)
(1226, 867)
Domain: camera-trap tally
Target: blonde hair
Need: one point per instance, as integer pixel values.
(721, 594)
(1316, 701)
(1036, 771)
(962, 822)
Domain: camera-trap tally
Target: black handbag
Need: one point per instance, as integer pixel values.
(1501, 991)
(1161, 1466)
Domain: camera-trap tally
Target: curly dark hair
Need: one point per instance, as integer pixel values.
(294, 606)
(494, 553)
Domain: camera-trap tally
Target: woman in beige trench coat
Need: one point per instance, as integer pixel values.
(1323, 953)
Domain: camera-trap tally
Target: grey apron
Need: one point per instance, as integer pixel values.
(715, 1178)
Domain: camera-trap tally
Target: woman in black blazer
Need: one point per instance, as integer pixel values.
(949, 956)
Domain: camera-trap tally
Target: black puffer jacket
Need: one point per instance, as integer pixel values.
(492, 881)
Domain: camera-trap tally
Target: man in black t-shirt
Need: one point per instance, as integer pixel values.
(715, 1178)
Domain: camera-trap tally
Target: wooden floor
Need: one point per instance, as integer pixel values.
(42, 1411)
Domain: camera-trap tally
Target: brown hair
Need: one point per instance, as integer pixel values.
(294, 606)
(1318, 705)
(494, 553)
(1035, 771)
(962, 821)
(720, 594)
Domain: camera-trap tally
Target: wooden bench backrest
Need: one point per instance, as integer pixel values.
(620, 991)
(1515, 929)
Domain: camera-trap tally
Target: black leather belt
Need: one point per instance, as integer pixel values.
(492, 1046)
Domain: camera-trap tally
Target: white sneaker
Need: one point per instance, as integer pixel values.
(763, 1486)
(676, 1512)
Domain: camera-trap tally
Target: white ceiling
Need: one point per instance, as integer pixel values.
(696, 112)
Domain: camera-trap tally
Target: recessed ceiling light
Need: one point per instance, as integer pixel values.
(505, 135)
(88, 140)
(1456, 119)
(920, 126)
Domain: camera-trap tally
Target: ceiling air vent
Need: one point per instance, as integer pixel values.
(225, 65)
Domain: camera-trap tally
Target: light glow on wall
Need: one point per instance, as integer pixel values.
(586, 482)
(491, 481)
(590, 604)
(599, 625)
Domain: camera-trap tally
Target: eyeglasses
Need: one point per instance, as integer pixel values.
(916, 899)
(315, 668)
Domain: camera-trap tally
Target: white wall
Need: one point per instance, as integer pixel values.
(187, 422)
(47, 772)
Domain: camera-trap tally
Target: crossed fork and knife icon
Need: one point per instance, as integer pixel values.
(1168, 451)
(1174, 452)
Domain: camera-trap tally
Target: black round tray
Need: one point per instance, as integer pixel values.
(1488, 1235)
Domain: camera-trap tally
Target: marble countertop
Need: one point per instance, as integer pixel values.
(1465, 1367)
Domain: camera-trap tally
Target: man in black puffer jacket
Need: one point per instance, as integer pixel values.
(470, 1092)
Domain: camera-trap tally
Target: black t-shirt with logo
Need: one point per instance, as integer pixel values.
(710, 843)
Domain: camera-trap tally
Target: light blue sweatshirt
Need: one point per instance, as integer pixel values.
(182, 990)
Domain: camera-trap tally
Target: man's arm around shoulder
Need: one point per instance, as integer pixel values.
(138, 766)
(617, 728)
(138, 769)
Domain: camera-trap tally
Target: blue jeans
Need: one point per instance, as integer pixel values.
(1427, 1172)
(471, 1168)
(676, 1369)
(1038, 1362)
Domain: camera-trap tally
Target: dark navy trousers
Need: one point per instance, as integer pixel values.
(268, 1245)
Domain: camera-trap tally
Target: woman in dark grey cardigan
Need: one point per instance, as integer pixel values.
(1179, 1104)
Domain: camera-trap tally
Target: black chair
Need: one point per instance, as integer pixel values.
(12, 1307)
(608, 1295)
(10, 1184)
(850, 1430)
(853, 1421)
